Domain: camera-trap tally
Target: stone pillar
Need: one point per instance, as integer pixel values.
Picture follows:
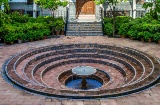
(134, 8)
(34, 10)
(72, 10)
(97, 13)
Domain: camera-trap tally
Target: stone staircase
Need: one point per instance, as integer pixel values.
(84, 29)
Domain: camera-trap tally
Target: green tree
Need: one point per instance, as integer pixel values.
(4, 18)
(51, 4)
(5, 4)
(154, 7)
(113, 3)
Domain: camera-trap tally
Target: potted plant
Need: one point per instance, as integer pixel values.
(62, 31)
(38, 35)
(123, 30)
(108, 29)
(1, 35)
(10, 38)
(147, 36)
(156, 37)
(132, 34)
(58, 25)
(57, 30)
(46, 32)
(21, 37)
(140, 36)
(30, 35)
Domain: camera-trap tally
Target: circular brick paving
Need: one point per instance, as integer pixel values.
(122, 70)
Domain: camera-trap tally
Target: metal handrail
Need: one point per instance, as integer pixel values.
(66, 22)
(139, 13)
(102, 16)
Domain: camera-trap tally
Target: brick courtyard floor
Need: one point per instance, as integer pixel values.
(11, 96)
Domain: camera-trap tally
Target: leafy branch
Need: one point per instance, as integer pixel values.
(154, 8)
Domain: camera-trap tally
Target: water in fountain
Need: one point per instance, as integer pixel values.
(91, 84)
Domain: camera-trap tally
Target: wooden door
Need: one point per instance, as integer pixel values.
(85, 7)
(89, 5)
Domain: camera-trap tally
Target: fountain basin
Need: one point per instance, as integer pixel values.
(76, 83)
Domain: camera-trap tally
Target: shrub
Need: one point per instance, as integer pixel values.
(108, 29)
(132, 34)
(145, 35)
(123, 30)
(10, 37)
(17, 17)
(156, 37)
(26, 28)
(152, 28)
(120, 20)
(58, 24)
(140, 35)
(46, 32)
(21, 35)
(30, 35)
(107, 20)
(1, 35)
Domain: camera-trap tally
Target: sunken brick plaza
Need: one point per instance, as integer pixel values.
(42, 67)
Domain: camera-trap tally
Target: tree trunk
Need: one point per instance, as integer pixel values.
(52, 23)
(41, 11)
(113, 21)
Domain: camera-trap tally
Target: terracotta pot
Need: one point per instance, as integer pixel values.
(45, 37)
(122, 36)
(62, 32)
(132, 38)
(159, 41)
(149, 40)
(19, 41)
(57, 32)
(31, 40)
(10, 43)
(142, 39)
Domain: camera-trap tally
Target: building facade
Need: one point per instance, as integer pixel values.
(76, 8)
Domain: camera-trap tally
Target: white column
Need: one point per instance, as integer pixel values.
(34, 9)
(134, 9)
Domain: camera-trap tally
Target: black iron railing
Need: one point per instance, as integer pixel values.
(102, 16)
(66, 21)
(139, 13)
(57, 13)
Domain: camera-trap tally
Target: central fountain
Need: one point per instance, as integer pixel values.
(84, 71)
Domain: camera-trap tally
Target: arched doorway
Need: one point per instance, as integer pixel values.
(85, 7)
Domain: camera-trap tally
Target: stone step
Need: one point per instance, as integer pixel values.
(84, 29)
(84, 25)
(84, 33)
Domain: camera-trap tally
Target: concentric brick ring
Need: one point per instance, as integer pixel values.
(121, 70)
